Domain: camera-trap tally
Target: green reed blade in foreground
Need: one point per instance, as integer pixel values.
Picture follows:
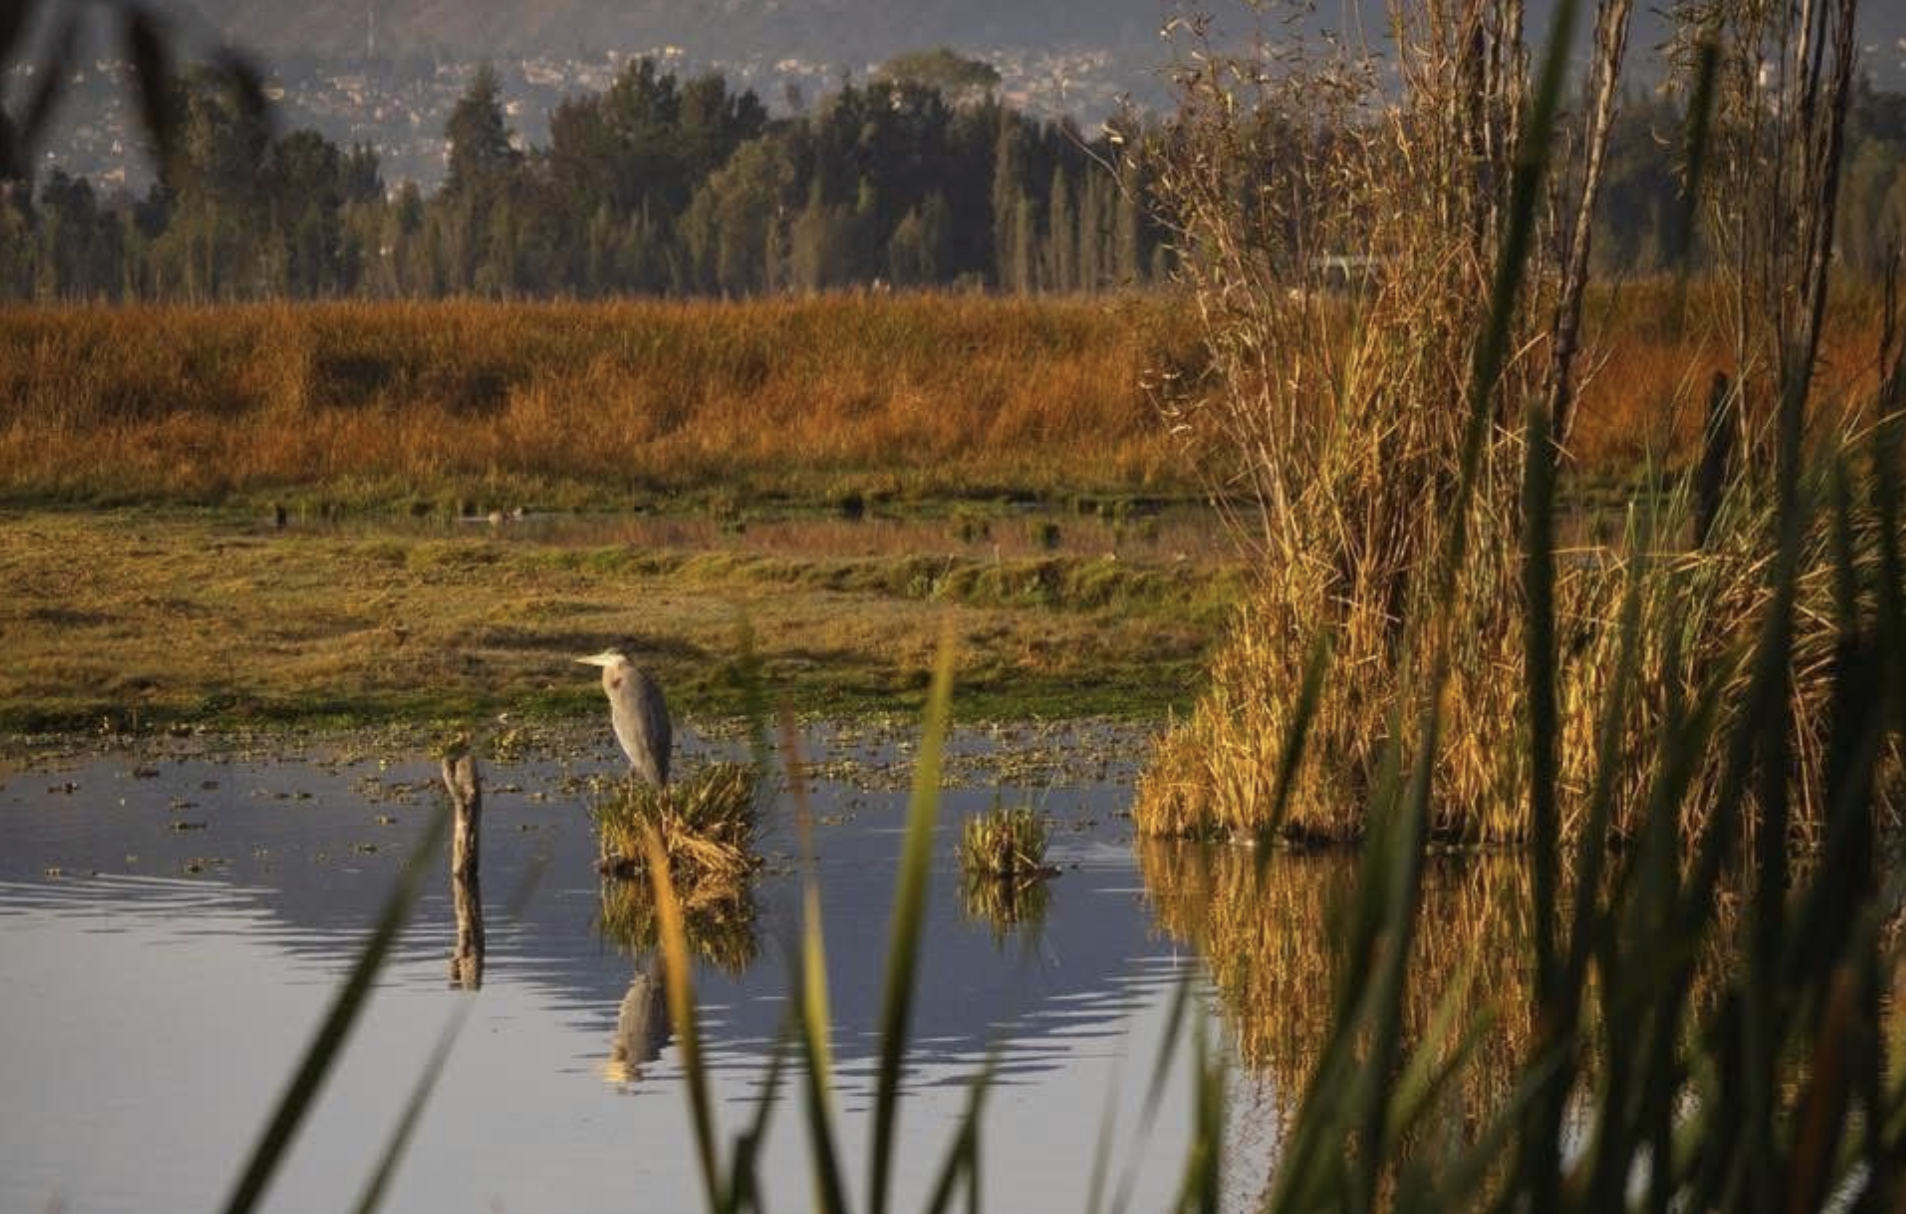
(1399, 892)
(1291, 755)
(961, 1165)
(1102, 1150)
(1201, 1188)
(909, 906)
(379, 1183)
(681, 1011)
(1492, 350)
(1538, 581)
(327, 1045)
(1438, 1059)
(744, 1187)
(426, 1085)
(1154, 1097)
(811, 1006)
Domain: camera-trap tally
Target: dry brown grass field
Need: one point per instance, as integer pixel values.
(436, 406)
(1653, 352)
(571, 404)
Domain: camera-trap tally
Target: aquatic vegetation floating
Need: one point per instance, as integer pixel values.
(1006, 844)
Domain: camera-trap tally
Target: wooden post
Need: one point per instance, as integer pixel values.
(466, 796)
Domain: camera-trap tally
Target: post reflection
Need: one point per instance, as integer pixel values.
(466, 963)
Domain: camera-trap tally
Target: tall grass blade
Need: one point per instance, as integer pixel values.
(1398, 894)
(398, 1144)
(44, 102)
(1311, 1166)
(1291, 756)
(1438, 1059)
(744, 1187)
(152, 70)
(327, 1045)
(1680, 242)
(962, 1163)
(1201, 1190)
(1492, 349)
(814, 1018)
(375, 1188)
(681, 1011)
(1538, 581)
(1154, 1091)
(909, 916)
(1102, 1151)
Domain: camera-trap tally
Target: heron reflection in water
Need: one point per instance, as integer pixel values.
(638, 712)
(641, 1025)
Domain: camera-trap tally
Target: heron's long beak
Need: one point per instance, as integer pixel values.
(604, 658)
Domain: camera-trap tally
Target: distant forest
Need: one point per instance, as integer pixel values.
(663, 186)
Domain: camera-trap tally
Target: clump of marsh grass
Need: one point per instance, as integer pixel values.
(706, 824)
(1005, 844)
(1003, 868)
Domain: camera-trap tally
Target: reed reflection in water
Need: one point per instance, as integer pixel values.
(1274, 948)
(1006, 906)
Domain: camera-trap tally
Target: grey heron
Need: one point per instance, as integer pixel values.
(638, 712)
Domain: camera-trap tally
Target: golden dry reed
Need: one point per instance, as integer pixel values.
(1005, 843)
(1368, 433)
(595, 401)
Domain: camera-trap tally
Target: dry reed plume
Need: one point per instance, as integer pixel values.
(1340, 416)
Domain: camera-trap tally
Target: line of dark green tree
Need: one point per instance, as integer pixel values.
(655, 185)
(685, 187)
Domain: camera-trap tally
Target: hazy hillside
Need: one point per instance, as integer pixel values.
(842, 33)
(837, 29)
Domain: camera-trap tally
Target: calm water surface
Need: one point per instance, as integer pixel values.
(174, 917)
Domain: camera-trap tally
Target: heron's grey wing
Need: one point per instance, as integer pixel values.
(642, 726)
(661, 732)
